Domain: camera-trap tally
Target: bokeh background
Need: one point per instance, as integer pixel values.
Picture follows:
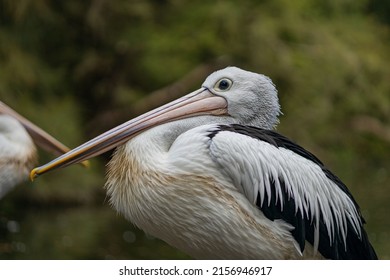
(77, 68)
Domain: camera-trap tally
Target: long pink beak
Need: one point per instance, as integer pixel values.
(199, 102)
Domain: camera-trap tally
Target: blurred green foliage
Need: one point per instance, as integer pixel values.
(65, 63)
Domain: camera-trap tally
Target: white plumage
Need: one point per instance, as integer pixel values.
(17, 154)
(206, 174)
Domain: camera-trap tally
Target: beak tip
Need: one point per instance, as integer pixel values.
(34, 174)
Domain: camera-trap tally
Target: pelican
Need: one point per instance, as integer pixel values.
(18, 153)
(207, 174)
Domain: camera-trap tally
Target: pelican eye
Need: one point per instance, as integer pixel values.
(223, 84)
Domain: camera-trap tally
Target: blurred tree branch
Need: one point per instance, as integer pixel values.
(371, 125)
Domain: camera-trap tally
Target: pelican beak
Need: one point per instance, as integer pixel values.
(39, 136)
(199, 102)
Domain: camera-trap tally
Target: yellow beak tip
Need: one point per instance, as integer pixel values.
(33, 174)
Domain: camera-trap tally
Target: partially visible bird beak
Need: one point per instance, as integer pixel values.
(199, 102)
(39, 136)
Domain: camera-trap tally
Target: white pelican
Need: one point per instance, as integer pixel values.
(207, 174)
(18, 153)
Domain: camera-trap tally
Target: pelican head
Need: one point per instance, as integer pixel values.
(230, 95)
(260, 105)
